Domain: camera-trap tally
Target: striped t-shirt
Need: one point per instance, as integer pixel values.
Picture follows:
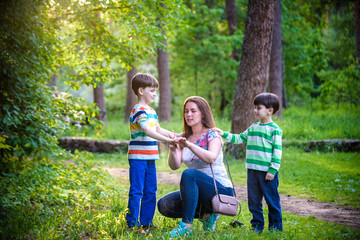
(263, 150)
(141, 146)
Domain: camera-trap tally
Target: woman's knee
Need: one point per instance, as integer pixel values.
(169, 203)
(189, 173)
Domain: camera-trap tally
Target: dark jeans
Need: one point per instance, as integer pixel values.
(194, 198)
(258, 188)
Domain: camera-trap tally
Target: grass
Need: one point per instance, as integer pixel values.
(298, 124)
(330, 177)
(76, 199)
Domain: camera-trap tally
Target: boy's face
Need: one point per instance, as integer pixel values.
(261, 112)
(148, 94)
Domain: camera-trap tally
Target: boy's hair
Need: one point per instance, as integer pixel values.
(143, 80)
(269, 100)
(205, 109)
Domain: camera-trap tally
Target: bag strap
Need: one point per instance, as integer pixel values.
(227, 165)
(228, 170)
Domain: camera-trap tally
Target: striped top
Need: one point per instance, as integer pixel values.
(141, 146)
(263, 150)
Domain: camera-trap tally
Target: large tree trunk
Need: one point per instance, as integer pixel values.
(357, 29)
(130, 95)
(232, 22)
(164, 86)
(275, 71)
(99, 99)
(164, 81)
(254, 65)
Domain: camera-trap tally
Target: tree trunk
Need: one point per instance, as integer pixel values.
(254, 65)
(52, 82)
(357, 29)
(164, 86)
(275, 71)
(164, 111)
(99, 99)
(232, 23)
(130, 95)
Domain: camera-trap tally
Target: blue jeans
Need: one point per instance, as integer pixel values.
(258, 188)
(194, 198)
(143, 187)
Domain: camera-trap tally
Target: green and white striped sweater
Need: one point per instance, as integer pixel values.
(263, 150)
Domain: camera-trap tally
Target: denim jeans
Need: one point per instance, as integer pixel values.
(143, 186)
(258, 188)
(194, 198)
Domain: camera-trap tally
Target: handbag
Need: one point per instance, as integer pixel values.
(225, 204)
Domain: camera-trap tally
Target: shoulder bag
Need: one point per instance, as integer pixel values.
(225, 204)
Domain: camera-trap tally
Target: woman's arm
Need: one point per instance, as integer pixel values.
(174, 159)
(208, 156)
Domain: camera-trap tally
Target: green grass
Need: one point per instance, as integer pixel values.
(330, 177)
(78, 200)
(315, 122)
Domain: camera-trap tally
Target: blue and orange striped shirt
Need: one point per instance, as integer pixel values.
(141, 146)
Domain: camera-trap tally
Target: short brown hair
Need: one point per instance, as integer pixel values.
(205, 109)
(269, 100)
(143, 80)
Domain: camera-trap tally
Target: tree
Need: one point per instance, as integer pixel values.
(357, 28)
(276, 69)
(232, 22)
(254, 64)
(31, 115)
(164, 86)
(164, 77)
(99, 100)
(130, 95)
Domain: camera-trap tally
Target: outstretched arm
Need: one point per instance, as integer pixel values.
(154, 134)
(208, 156)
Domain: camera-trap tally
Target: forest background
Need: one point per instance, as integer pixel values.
(66, 67)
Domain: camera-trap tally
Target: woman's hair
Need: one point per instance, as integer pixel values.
(269, 100)
(205, 109)
(143, 80)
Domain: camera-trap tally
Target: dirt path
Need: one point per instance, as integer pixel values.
(320, 210)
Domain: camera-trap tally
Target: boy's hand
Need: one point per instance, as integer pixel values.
(218, 130)
(182, 142)
(269, 176)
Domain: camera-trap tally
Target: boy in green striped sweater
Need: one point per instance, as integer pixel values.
(263, 155)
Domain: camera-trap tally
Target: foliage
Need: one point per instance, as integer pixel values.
(31, 117)
(341, 85)
(201, 54)
(45, 199)
(98, 37)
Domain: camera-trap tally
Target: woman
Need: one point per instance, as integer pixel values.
(197, 149)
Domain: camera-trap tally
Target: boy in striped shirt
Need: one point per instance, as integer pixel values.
(263, 155)
(142, 153)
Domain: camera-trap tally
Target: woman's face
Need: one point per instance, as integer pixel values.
(192, 114)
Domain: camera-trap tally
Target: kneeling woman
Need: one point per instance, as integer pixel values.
(199, 148)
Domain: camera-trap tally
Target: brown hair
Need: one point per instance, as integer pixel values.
(205, 109)
(143, 80)
(269, 100)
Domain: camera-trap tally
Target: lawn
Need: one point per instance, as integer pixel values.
(72, 197)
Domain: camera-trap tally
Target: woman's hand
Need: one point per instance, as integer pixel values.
(182, 142)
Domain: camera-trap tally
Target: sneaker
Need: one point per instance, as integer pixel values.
(210, 223)
(180, 231)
